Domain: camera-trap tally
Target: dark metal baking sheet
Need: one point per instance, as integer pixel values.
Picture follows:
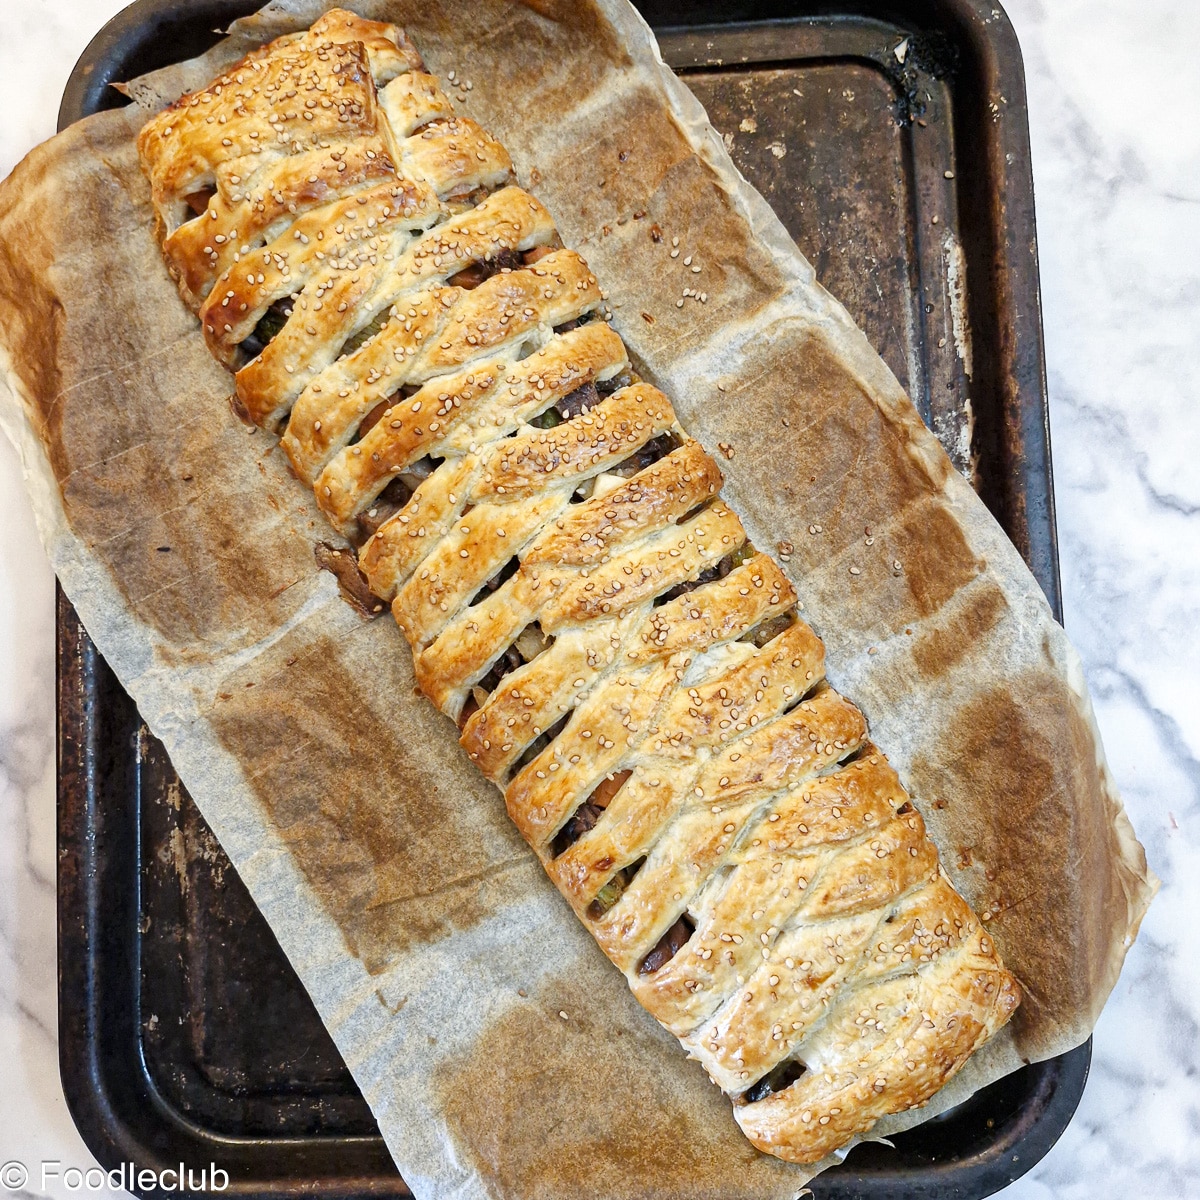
(884, 133)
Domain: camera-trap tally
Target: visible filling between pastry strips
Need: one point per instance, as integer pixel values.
(619, 658)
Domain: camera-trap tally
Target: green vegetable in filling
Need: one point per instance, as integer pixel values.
(744, 553)
(365, 334)
(272, 321)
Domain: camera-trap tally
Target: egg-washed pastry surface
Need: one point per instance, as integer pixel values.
(621, 661)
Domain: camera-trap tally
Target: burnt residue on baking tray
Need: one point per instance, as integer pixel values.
(881, 226)
(207, 1053)
(890, 137)
(892, 142)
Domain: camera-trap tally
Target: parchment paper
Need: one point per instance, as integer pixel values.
(499, 1051)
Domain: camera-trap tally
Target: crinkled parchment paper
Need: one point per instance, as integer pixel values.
(499, 1051)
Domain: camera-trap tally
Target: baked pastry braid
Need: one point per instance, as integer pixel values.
(620, 660)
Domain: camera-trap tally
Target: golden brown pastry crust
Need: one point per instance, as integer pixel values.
(621, 662)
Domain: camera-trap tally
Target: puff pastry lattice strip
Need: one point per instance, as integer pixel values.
(620, 660)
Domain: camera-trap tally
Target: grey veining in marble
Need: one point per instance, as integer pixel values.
(1114, 94)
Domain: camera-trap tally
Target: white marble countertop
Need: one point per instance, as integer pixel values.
(1114, 98)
